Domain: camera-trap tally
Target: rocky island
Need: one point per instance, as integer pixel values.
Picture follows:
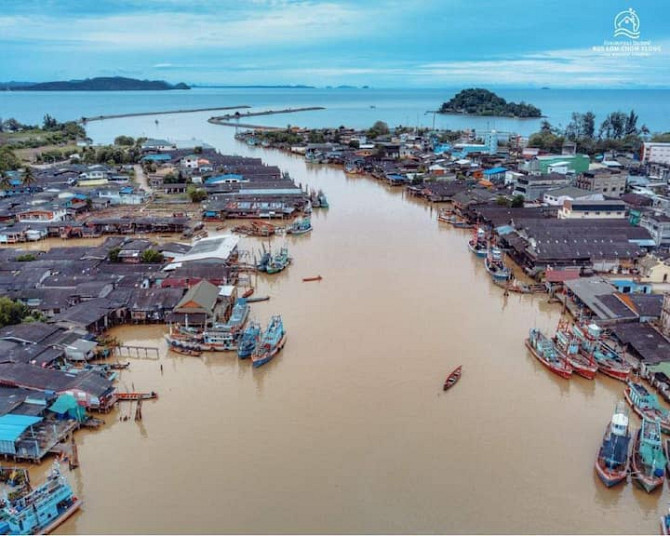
(477, 101)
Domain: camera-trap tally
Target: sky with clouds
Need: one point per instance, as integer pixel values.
(394, 43)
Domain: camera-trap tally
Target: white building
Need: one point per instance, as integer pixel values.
(656, 153)
(594, 210)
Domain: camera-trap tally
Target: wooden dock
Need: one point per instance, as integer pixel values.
(137, 352)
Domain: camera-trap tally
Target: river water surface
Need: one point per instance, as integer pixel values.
(348, 430)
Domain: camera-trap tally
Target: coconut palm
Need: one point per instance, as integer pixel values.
(5, 183)
(28, 177)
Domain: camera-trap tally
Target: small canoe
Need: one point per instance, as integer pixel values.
(317, 278)
(259, 298)
(453, 378)
(248, 293)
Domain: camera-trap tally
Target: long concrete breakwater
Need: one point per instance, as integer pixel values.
(140, 114)
(227, 120)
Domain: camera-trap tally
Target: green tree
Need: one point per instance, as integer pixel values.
(195, 194)
(151, 256)
(28, 177)
(114, 255)
(378, 129)
(49, 123)
(124, 140)
(517, 201)
(8, 160)
(12, 312)
(26, 257)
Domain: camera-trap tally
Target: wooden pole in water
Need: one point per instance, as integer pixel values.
(74, 454)
(138, 410)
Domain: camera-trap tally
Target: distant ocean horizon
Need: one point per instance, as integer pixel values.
(351, 107)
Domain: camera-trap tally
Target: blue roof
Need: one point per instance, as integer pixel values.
(155, 157)
(12, 426)
(223, 178)
(495, 171)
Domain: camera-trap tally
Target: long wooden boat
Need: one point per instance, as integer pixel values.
(546, 353)
(317, 278)
(186, 351)
(647, 459)
(137, 396)
(646, 405)
(453, 378)
(248, 293)
(568, 346)
(612, 464)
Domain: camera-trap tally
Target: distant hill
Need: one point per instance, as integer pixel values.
(477, 101)
(115, 83)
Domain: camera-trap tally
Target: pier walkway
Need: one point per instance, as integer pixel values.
(166, 112)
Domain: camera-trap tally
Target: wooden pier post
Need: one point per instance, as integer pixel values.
(138, 410)
(74, 454)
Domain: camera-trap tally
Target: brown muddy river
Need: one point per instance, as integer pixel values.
(348, 430)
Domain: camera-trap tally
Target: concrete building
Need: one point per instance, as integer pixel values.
(557, 196)
(533, 187)
(656, 153)
(609, 184)
(658, 225)
(594, 210)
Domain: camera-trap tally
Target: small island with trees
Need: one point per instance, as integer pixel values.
(478, 101)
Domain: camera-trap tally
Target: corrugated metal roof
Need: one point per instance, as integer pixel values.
(12, 426)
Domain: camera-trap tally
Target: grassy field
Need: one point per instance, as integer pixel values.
(29, 154)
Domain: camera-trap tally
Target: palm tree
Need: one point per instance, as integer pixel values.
(5, 183)
(28, 177)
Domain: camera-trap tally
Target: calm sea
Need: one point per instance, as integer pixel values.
(351, 107)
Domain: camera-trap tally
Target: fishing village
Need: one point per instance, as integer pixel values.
(177, 234)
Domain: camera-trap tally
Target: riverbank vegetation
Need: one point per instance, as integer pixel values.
(478, 101)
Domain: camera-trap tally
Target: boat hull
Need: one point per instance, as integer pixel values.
(498, 275)
(585, 370)
(608, 477)
(267, 357)
(665, 425)
(617, 374)
(646, 482)
(481, 253)
(564, 373)
(63, 517)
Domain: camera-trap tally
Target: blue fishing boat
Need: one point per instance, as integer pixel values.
(300, 226)
(41, 510)
(648, 460)
(271, 341)
(262, 264)
(279, 261)
(613, 457)
(496, 266)
(248, 341)
(478, 243)
(238, 317)
(665, 523)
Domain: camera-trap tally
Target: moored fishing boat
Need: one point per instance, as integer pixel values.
(270, 343)
(569, 347)
(646, 405)
(249, 339)
(608, 360)
(262, 264)
(238, 317)
(453, 378)
(613, 457)
(300, 226)
(445, 215)
(478, 243)
(279, 261)
(546, 353)
(495, 265)
(41, 510)
(647, 459)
